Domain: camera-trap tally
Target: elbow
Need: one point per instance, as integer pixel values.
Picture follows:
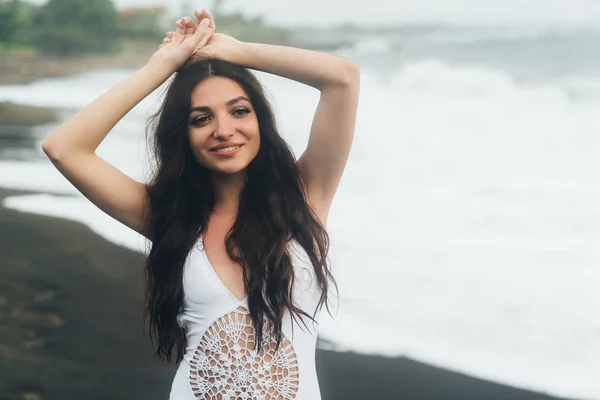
(345, 76)
(55, 151)
(350, 73)
(59, 152)
(50, 150)
(47, 148)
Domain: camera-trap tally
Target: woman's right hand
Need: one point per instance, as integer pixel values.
(180, 45)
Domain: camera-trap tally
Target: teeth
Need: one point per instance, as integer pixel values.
(226, 149)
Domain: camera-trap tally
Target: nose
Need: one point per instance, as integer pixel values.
(224, 129)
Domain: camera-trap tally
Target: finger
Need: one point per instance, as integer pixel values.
(174, 36)
(204, 28)
(200, 15)
(190, 25)
(180, 27)
(202, 34)
(212, 20)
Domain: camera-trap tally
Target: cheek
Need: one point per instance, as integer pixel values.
(197, 142)
(255, 145)
(255, 135)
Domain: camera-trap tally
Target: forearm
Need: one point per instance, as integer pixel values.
(87, 129)
(309, 67)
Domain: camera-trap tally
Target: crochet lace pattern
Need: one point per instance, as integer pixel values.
(226, 366)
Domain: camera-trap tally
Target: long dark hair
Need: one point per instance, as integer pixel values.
(273, 210)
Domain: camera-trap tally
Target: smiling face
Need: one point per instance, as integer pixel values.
(222, 126)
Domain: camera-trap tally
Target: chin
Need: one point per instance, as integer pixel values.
(229, 168)
(227, 171)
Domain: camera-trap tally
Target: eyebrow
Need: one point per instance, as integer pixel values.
(229, 103)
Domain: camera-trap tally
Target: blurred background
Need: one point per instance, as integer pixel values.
(465, 233)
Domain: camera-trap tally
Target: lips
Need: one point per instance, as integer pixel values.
(226, 150)
(225, 146)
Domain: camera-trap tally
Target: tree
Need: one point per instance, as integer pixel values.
(11, 17)
(74, 27)
(142, 23)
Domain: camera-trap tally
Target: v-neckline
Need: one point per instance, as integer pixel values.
(214, 272)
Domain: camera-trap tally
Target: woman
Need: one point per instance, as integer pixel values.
(237, 273)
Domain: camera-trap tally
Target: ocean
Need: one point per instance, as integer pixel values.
(466, 230)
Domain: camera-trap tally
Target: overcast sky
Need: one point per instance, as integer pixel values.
(370, 12)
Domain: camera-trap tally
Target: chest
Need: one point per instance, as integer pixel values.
(229, 272)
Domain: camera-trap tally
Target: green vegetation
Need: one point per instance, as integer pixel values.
(60, 27)
(73, 28)
(12, 17)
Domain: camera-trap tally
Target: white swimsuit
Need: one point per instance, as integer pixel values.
(220, 363)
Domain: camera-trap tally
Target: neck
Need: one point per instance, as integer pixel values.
(227, 192)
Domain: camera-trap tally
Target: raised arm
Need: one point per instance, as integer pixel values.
(72, 146)
(338, 79)
(323, 162)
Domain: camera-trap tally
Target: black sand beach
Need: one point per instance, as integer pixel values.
(70, 309)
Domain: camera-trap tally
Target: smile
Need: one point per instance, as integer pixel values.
(226, 149)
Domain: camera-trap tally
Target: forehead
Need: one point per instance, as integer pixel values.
(215, 91)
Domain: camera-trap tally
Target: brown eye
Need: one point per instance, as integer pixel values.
(200, 120)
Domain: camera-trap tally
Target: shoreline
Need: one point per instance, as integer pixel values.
(24, 68)
(70, 313)
(16, 115)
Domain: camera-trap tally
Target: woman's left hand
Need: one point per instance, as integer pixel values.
(219, 45)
